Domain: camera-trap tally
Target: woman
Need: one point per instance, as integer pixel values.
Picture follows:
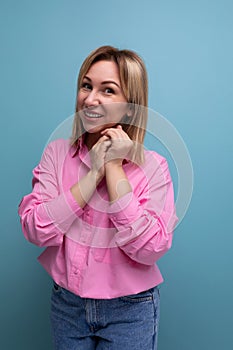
(104, 209)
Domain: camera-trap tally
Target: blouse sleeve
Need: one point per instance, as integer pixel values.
(47, 213)
(145, 222)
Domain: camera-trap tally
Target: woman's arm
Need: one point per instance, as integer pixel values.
(144, 222)
(116, 179)
(84, 189)
(46, 213)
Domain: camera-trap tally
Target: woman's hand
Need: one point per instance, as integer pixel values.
(120, 145)
(98, 156)
(83, 190)
(119, 149)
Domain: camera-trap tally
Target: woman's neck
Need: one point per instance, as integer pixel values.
(91, 139)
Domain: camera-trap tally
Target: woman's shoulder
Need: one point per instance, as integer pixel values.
(154, 156)
(155, 163)
(58, 145)
(57, 150)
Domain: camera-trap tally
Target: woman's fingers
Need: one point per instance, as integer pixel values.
(98, 153)
(114, 144)
(102, 139)
(115, 133)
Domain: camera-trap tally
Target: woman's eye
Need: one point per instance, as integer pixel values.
(109, 91)
(86, 86)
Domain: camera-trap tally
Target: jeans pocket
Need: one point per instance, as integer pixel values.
(56, 287)
(139, 297)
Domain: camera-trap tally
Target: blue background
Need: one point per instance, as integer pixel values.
(187, 47)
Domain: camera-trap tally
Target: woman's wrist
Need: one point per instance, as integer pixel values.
(116, 179)
(96, 176)
(113, 164)
(84, 189)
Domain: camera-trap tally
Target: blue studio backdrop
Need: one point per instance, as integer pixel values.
(187, 48)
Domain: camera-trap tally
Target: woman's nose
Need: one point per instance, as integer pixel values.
(92, 99)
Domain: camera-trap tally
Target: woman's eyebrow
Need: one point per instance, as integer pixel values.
(110, 82)
(103, 82)
(86, 77)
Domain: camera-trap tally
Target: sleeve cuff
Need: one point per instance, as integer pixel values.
(125, 210)
(63, 210)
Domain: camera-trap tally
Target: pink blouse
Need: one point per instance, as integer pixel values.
(103, 250)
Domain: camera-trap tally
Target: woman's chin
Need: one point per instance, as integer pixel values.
(97, 129)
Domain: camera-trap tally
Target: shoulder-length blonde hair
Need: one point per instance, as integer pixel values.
(134, 83)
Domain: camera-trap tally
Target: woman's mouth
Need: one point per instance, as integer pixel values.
(92, 114)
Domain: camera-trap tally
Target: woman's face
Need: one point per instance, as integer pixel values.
(97, 97)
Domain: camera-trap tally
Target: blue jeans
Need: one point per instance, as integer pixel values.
(124, 323)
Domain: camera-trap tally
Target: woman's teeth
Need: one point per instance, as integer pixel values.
(93, 115)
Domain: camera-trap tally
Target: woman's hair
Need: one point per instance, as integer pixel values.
(134, 83)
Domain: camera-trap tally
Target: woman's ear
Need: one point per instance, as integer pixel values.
(130, 111)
